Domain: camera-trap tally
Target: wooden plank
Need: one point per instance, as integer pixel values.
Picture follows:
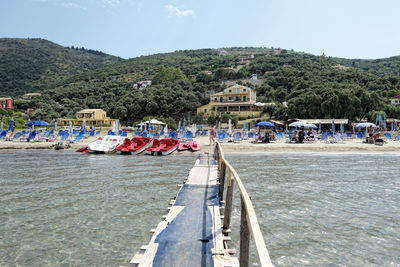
(217, 231)
(202, 176)
(225, 261)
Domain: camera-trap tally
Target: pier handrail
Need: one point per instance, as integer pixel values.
(249, 223)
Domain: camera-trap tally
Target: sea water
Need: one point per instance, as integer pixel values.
(60, 208)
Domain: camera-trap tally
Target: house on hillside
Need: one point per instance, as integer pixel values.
(395, 101)
(237, 99)
(92, 117)
(30, 95)
(142, 84)
(6, 102)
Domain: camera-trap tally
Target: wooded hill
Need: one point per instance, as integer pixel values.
(28, 65)
(313, 86)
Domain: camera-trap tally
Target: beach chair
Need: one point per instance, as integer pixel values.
(3, 134)
(360, 135)
(173, 134)
(65, 136)
(124, 134)
(77, 138)
(31, 136)
(98, 132)
(237, 137)
(388, 136)
(188, 136)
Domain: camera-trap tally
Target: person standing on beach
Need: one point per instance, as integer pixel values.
(371, 134)
(212, 135)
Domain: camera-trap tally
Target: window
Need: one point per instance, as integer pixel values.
(238, 91)
(215, 99)
(221, 99)
(205, 110)
(244, 90)
(229, 98)
(237, 98)
(244, 98)
(230, 91)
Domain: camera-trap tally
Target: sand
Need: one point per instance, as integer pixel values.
(348, 146)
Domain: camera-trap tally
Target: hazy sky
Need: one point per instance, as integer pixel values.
(130, 28)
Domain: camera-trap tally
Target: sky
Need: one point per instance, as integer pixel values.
(130, 28)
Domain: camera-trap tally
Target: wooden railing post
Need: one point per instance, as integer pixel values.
(228, 202)
(222, 180)
(244, 237)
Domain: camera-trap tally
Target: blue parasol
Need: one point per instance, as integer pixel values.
(265, 124)
(11, 126)
(38, 123)
(183, 125)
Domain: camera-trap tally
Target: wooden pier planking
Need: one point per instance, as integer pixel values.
(204, 173)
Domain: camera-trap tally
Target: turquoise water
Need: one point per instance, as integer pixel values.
(66, 208)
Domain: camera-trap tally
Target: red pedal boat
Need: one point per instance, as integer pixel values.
(183, 146)
(194, 146)
(135, 146)
(163, 147)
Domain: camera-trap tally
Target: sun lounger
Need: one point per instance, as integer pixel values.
(237, 137)
(188, 136)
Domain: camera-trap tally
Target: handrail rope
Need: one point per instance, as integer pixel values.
(261, 249)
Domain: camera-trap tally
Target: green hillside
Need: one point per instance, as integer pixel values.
(382, 67)
(28, 65)
(312, 86)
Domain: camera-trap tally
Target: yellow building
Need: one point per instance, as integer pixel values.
(92, 117)
(237, 99)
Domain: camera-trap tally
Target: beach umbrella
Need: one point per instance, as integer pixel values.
(149, 125)
(287, 128)
(166, 132)
(70, 127)
(219, 127)
(83, 127)
(365, 125)
(342, 128)
(392, 126)
(311, 126)
(1, 126)
(38, 123)
(11, 126)
(298, 124)
(333, 126)
(54, 125)
(179, 126)
(265, 124)
(354, 128)
(229, 127)
(320, 126)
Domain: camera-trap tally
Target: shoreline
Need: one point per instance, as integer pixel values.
(349, 146)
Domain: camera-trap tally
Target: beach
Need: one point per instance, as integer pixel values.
(280, 146)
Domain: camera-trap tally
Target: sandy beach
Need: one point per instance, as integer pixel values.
(348, 146)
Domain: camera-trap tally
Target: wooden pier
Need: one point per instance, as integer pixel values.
(195, 232)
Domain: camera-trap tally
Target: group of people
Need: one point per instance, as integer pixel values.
(301, 136)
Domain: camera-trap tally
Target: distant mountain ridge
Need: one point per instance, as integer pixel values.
(28, 65)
